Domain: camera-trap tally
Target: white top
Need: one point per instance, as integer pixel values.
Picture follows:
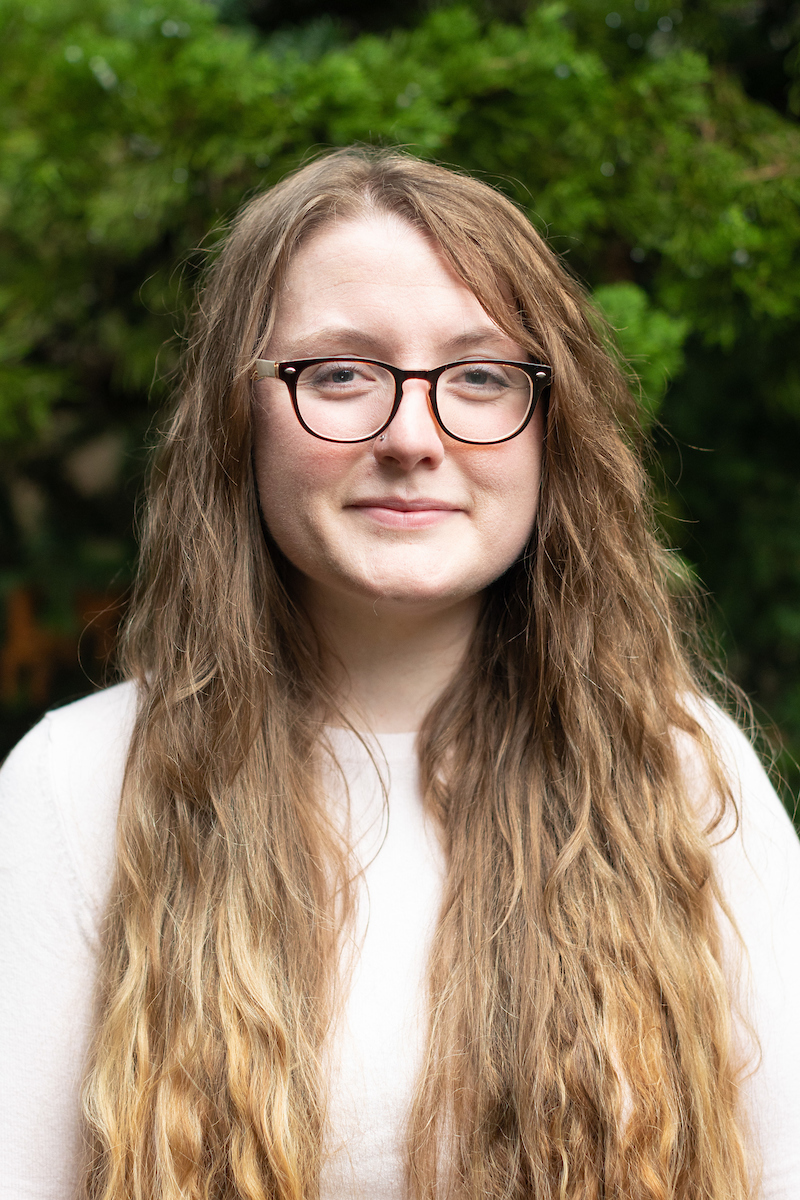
(59, 792)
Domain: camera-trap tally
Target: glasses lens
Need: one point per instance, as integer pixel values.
(484, 402)
(345, 400)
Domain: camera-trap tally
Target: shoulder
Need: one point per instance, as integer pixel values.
(755, 847)
(756, 856)
(757, 817)
(89, 738)
(60, 788)
(59, 795)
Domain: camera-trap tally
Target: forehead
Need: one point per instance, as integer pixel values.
(380, 279)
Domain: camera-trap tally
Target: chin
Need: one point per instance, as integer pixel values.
(420, 593)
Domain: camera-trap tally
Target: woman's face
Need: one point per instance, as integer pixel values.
(413, 520)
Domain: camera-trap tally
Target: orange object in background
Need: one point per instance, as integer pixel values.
(31, 653)
(99, 615)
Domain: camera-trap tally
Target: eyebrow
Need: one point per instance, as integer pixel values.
(344, 339)
(486, 335)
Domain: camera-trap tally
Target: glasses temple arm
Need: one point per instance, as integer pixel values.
(263, 368)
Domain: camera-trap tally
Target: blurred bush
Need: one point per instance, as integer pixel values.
(129, 131)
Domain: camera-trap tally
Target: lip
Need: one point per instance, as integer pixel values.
(406, 503)
(404, 512)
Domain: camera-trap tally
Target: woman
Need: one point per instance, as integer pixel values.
(427, 870)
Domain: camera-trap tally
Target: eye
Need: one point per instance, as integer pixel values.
(481, 381)
(482, 377)
(342, 375)
(337, 375)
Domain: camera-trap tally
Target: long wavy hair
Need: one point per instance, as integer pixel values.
(580, 1042)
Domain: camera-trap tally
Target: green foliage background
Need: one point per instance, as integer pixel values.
(128, 131)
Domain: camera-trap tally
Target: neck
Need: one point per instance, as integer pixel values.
(387, 665)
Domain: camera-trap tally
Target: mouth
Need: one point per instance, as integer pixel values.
(402, 512)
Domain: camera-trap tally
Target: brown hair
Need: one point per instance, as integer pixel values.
(579, 1040)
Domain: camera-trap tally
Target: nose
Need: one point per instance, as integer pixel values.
(413, 435)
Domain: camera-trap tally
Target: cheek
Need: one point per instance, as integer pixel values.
(513, 485)
(295, 473)
(280, 471)
(511, 525)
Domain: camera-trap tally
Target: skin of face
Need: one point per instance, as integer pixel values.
(415, 522)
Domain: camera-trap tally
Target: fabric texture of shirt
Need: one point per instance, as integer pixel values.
(59, 797)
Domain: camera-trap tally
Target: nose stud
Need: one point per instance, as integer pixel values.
(382, 438)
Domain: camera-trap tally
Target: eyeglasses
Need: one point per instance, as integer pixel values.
(355, 399)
